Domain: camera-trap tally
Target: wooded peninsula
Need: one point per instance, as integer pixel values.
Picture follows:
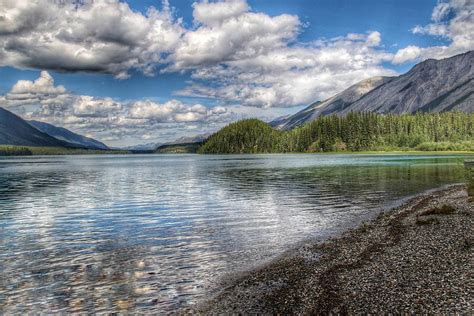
(449, 131)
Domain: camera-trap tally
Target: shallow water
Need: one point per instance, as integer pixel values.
(156, 232)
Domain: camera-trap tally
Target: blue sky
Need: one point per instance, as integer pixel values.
(385, 44)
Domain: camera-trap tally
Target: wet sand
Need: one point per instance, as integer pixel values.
(416, 258)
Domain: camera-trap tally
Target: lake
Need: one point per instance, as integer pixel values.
(145, 233)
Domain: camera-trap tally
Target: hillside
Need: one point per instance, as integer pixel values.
(245, 136)
(184, 148)
(68, 136)
(16, 131)
(185, 144)
(141, 148)
(430, 86)
(358, 131)
(335, 104)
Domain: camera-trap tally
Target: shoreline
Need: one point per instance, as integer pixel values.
(382, 152)
(417, 257)
(57, 151)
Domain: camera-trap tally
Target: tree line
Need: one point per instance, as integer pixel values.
(13, 150)
(358, 131)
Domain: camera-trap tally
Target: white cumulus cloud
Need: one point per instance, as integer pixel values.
(214, 13)
(49, 98)
(452, 20)
(87, 106)
(288, 76)
(175, 111)
(94, 36)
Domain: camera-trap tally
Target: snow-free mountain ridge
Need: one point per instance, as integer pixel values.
(430, 86)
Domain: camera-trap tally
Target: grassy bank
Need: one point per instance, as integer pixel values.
(187, 148)
(8, 150)
(397, 152)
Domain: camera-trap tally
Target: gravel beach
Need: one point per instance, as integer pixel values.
(417, 258)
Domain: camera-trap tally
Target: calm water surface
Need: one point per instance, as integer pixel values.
(155, 233)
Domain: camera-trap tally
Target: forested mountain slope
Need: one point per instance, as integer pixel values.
(335, 104)
(245, 136)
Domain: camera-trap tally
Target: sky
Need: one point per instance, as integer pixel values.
(147, 71)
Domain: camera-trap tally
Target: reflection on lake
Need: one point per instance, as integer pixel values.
(155, 233)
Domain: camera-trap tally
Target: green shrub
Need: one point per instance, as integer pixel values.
(9, 150)
(6, 150)
(427, 221)
(446, 146)
(445, 209)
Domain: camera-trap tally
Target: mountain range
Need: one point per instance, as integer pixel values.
(430, 86)
(16, 131)
(68, 136)
(179, 141)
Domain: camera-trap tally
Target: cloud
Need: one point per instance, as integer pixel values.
(287, 76)
(408, 53)
(175, 111)
(215, 13)
(440, 11)
(87, 106)
(374, 39)
(50, 98)
(451, 20)
(151, 110)
(236, 36)
(43, 85)
(93, 36)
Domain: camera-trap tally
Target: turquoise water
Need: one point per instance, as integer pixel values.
(155, 233)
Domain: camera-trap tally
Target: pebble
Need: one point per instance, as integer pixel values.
(394, 265)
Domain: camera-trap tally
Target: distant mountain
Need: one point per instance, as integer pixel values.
(141, 147)
(189, 139)
(430, 86)
(281, 120)
(68, 136)
(183, 145)
(16, 131)
(185, 141)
